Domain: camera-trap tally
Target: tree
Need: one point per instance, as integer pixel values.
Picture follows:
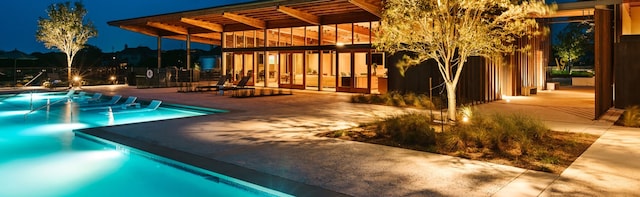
(66, 30)
(573, 43)
(450, 31)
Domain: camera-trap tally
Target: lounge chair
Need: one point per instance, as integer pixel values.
(151, 107)
(213, 87)
(113, 101)
(242, 85)
(131, 101)
(70, 93)
(94, 98)
(79, 96)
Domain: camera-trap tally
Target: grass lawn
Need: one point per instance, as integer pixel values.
(516, 141)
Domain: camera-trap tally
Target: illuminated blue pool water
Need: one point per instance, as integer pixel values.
(40, 156)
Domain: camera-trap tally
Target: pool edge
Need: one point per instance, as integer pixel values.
(238, 172)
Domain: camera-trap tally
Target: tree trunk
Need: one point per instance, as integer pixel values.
(451, 96)
(69, 78)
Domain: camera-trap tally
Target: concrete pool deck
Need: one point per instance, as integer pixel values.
(276, 135)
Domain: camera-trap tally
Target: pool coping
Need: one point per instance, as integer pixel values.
(273, 182)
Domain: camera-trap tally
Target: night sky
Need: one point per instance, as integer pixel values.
(19, 21)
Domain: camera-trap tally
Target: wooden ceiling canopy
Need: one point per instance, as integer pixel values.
(205, 25)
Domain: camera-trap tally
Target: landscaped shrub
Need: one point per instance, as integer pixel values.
(412, 128)
(511, 135)
(395, 99)
(631, 117)
(398, 100)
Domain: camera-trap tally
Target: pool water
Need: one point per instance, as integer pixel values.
(41, 156)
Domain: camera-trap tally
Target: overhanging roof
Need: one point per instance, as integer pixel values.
(583, 8)
(205, 24)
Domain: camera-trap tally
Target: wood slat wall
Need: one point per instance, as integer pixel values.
(627, 71)
(604, 61)
(478, 81)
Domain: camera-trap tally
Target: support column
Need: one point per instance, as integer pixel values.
(159, 52)
(189, 70)
(603, 60)
(320, 63)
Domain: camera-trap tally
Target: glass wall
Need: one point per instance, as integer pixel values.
(341, 34)
(350, 69)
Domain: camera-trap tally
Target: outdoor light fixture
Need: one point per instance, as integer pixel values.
(465, 119)
(112, 78)
(76, 78)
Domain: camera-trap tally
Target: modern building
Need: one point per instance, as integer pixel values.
(326, 45)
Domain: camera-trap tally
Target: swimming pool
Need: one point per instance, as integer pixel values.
(41, 156)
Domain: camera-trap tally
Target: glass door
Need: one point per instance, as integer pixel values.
(291, 70)
(297, 70)
(345, 79)
(284, 70)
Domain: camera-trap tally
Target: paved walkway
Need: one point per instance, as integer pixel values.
(275, 135)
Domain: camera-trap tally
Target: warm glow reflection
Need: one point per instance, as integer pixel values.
(339, 44)
(77, 78)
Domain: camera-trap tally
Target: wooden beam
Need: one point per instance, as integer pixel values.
(145, 31)
(195, 39)
(303, 16)
(204, 24)
(257, 23)
(373, 9)
(171, 28)
(215, 35)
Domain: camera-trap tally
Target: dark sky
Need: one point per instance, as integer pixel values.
(18, 22)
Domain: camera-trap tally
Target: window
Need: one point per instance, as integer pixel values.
(345, 34)
(250, 38)
(228, 40)
(328, 34)
(311, 36)
(239, 39)
(260, 38)
(298, 34)
(272, 36)
(285, 37)
(361, 33)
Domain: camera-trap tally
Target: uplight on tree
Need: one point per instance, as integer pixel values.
(450, 31)
(66, 30)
